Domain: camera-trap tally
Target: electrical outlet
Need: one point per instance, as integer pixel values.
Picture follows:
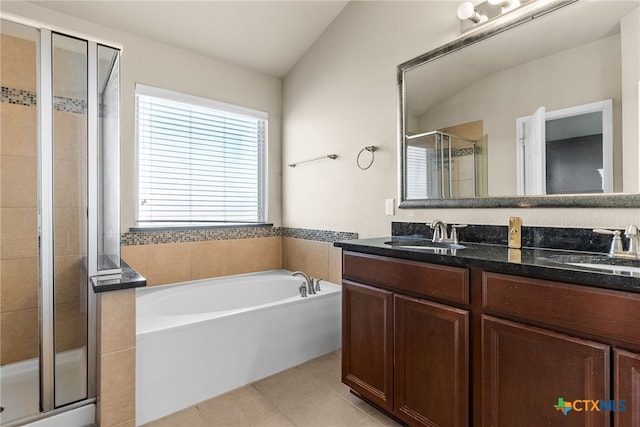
(389, 207)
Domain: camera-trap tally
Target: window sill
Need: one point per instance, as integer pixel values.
(186, 227)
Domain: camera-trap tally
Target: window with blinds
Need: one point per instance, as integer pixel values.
(199, 161)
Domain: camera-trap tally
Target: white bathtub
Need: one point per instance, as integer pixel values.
(196, 340)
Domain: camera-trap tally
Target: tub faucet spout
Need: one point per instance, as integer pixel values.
(308, 281)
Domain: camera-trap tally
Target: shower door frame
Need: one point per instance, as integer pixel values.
(45, 209)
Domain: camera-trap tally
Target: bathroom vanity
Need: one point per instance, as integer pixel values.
(487, 337)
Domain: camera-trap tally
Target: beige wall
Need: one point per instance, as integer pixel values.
(319, 260)
(575, 68)
(178, 262)
(156, 64)
(116, 382)
(342, 96)
(630, 35)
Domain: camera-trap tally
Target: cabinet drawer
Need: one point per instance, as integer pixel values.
(429, 280)
(610, 314)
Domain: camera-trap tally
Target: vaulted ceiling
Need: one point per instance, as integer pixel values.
(266, 36)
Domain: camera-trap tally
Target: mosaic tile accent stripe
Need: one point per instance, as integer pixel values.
(197, 235)
(136, 238)
(30, 99)
(466, 151)
(18, 97)
(69, 105)
(318, 235)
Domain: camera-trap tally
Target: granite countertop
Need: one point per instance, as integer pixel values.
(550, 264)
(129, 278)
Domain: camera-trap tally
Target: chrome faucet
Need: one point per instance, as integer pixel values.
(308, 282)
(440, 232)
(631, 233)
(615, 248)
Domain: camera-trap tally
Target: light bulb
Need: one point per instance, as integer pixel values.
(467, 11)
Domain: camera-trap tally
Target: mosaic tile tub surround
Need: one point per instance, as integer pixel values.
(30, 99)
(174, 256)
(200, 235)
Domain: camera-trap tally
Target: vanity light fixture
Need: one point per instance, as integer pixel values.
(467, 11)
(471, 15)
(506, 5)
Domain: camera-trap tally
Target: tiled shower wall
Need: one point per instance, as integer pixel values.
(18, 201)
(18, 204)
(176, 256)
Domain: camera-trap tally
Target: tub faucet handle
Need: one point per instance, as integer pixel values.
(308, 281)
(317, 284)
(303, 290)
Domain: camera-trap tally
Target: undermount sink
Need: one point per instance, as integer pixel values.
(600, 262)
(609, 267)
(423, 244)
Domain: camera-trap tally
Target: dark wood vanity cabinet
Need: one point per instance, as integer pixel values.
(562, 341)
(402, 352)
(526, 371)
(431, 355)
(367, 342)
(626, 382)
(416, 344)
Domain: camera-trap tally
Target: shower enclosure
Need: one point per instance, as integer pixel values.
(59, 215)
(441, 165)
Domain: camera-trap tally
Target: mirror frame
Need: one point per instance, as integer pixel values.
(503, 23)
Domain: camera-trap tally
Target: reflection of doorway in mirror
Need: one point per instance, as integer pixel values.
(568, 151)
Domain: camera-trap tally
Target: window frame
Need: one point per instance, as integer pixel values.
(197, 101)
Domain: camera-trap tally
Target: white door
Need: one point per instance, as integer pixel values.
(532, 170)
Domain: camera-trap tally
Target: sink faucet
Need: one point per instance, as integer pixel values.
(308, 282)
(440, 232)
(615, 249)
(631, 233)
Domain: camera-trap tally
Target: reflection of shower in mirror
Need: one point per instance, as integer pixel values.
(444, 165)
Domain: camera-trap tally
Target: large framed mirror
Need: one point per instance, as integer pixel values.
(535, 108)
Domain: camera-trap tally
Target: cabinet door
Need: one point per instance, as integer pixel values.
(529, 373)
(431, 363)
(367, 342)
(627, 388)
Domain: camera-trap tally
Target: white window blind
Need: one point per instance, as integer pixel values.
(417, 173)
(199, 161)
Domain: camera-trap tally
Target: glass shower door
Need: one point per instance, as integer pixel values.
(69, 71)
(59, 216)
(19, 267)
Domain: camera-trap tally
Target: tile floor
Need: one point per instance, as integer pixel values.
(307, 395)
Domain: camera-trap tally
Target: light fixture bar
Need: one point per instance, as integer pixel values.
(471, 16)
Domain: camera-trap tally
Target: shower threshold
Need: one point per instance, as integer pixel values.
(20, 384)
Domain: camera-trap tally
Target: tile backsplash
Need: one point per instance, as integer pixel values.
(567, 238)
(172, 256)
